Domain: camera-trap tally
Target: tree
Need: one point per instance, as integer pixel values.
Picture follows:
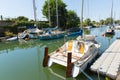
(102, 22)
(87, 22)
(72, 19)
(108, 21)
(22, 18)
(62, 12)
(117, 22)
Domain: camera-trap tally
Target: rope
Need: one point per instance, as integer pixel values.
(98, 75)
(86, 74)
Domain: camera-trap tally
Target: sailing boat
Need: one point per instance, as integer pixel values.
(75, 55)
(33, 30)
(110, 28)
(52, 33)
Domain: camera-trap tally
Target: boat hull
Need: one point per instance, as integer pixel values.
(49, 37)
(75, 34)
(75, 63)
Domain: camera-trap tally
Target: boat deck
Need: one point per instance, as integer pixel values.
(109, 62)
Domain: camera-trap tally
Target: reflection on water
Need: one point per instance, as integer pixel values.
(23, 60)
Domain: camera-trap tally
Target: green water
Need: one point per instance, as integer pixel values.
(23, 60)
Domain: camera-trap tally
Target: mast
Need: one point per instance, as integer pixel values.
(49, 13)
(82, 15)
(112, 13)
(34, 8)
(57, 13)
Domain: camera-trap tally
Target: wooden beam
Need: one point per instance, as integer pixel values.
(46, 57)
(69, 65)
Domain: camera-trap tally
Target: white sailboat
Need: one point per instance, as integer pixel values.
(33, 30)
(110, 28)
(75, 55)
(52, 33)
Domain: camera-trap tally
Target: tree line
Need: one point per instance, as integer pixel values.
(66, 18)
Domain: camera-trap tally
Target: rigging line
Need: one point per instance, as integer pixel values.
(86, 74)
(56, 74)
(98, 75)
(88, 8)
(83, 37)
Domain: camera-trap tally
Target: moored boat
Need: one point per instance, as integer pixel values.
(52, 35)
(33, 31)
(12, 38)
(75, 33)
(74, 55)
(110, 30)
(24, 35)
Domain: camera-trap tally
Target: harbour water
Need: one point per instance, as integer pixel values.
(23, 60)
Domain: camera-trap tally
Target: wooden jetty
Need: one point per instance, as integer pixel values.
(109, 62)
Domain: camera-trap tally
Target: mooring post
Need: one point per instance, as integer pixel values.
(69, 65)
(46, 57)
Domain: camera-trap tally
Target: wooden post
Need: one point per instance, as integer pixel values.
(46, 57)
(69, 65)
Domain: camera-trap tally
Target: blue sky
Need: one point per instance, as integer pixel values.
(94, 9)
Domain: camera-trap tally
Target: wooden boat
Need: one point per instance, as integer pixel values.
(74, 55)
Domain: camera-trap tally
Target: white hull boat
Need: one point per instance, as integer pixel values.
(74, 55)
(12, 38)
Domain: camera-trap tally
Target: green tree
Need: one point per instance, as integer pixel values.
(72, 19)
(93, 23)
(117, 22)
(102, 22)
(62, 12)
(87, 22)
(22, 18)
(108, 21)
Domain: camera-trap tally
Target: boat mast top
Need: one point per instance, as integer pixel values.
(82, 15)
(35, 15)
(112, 13)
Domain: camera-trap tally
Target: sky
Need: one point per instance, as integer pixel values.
(93, 9)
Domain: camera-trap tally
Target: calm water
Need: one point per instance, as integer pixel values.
(23, 60)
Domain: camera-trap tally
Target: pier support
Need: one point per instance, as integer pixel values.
(46, 57)
(69, 65)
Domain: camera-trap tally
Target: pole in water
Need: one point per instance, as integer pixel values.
(69, 65)
(46, 57)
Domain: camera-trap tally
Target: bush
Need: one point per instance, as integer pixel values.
(7, 33)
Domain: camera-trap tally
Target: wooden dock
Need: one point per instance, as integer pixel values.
(109, 62)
